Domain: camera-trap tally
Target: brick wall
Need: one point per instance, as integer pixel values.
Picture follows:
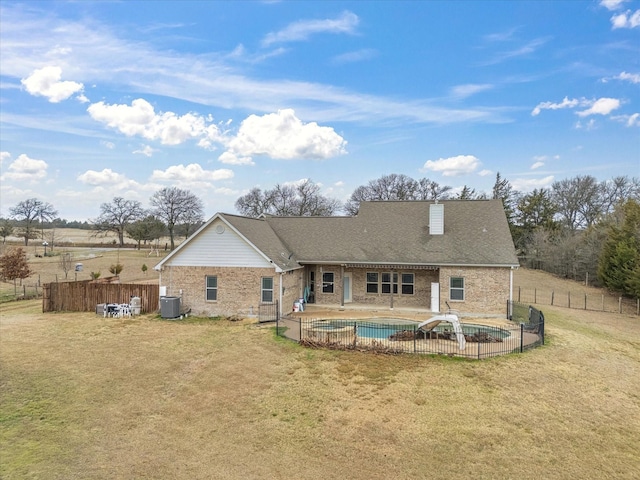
(486, 290)
(421, 297)
(239, 289)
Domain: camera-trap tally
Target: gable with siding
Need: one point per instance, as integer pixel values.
(218, 244)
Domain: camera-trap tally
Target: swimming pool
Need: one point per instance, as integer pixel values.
(383, 328)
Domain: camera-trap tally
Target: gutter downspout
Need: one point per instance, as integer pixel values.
(342, 296)
(280, 299)
(509, 313)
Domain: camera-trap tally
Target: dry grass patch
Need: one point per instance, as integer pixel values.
(88, 397)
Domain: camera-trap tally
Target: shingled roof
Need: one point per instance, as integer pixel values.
(476, 233)
(397, 232)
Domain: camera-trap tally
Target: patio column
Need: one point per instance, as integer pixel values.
(342, 281)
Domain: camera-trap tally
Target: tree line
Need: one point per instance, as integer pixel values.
(173, 212)
(577, 228)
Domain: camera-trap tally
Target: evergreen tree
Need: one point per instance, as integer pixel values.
(619, 265)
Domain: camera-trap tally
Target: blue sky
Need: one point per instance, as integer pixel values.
(105, 99)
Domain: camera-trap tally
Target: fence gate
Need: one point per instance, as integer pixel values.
(268, 312)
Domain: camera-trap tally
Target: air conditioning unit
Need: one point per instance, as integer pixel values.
(170, 307)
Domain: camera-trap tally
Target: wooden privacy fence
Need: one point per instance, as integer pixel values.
(84, 296)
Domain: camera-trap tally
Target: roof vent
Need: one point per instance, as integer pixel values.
(436, 219)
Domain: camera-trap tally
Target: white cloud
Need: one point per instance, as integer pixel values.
(282, 135)
(353, 57)
(633, 120)
(140, 119)
(4, 156)
(537, 165)
(146, 150)
(106, 144)
(628, 120)
(191, 173)
(590, 125)
(485, 172)
(602, 106)
(566, 103)
(624, 76)
(230, 158)
(453, 166)
(24, 168)
(612, 4)
(105, 177)
(46, 82)
(528, 184)
(464, 91)
(303, 29)
(627, 19)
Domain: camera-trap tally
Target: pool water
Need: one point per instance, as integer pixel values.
(385, 328)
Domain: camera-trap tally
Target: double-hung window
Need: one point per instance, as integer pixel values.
(407, 283)
(211, 287)
(387, 285)
(327, 282)
(266, 294)
(372, 282)
(456, 288)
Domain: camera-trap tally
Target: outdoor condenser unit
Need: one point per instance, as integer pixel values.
(170, 307)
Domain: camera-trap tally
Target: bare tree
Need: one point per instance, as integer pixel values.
(468, 193)
(303, 199)
(173, 205)
(395, 187)
(578, 201)
(27, 213)
(617, 190)
(117, 215)
(65, 262)
(431, 190)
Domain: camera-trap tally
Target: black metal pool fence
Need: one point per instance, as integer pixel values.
(524, 330)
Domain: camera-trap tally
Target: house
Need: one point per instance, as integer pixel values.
(393, 254)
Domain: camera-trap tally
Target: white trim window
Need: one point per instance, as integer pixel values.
(456, 288)
(211, 288)
(372, 282)
(327, 282)
(386, 283)
(266, 292)
(408, 282)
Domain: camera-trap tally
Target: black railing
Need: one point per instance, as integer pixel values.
(481, 341)
(268, 312)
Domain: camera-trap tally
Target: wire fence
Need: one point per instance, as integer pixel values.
(578, 300)
(523, 330)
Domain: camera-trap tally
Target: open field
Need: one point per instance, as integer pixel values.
(48, 269)
(86, 397)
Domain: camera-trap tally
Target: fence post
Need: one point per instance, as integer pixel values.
(300, 328)
(585, 301)
(619, 304)
(519, 288)
(535, 295)
(521, 337)
(603, 302)
(552, 292)
(415, 333)
(569, 298)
